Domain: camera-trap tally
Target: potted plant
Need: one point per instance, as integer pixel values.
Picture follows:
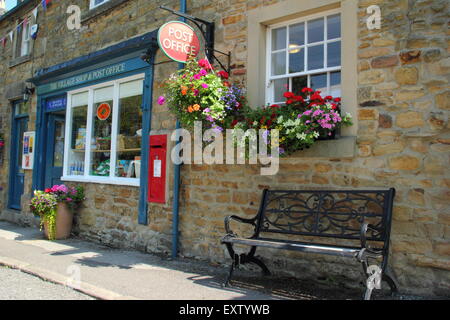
(55, 208)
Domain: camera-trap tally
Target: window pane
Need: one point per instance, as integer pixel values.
(297, 34)
(334, 26)
(296, 60)
(278, 38)
(22, 107)
(101, 131)
(77, 148)
(129, 130)
(335, 84)
(315, 30)
(319, 82)
(279, 63)
(315, 57)
(334, 54)
(58, 154)
(280, 87)
(298, 83)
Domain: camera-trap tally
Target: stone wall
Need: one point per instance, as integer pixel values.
(403, 139)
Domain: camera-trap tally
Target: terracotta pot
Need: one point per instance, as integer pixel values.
(64, 220)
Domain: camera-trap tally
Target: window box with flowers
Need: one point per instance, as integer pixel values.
(198, 93)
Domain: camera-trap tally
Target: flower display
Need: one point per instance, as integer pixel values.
(44, 203)
(198, 93)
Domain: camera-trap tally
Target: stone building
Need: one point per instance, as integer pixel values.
(393, 80)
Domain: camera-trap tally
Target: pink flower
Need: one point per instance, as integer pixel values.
(203, 72)
(204, 85)
(161, 100)
(197, 76)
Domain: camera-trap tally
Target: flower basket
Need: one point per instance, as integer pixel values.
(54, 207)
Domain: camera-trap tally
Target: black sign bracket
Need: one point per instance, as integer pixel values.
(207, 29)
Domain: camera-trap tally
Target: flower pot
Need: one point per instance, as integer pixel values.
(64, 220)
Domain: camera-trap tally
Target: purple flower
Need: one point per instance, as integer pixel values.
(204, 85)
(161, 100)
(280, 150)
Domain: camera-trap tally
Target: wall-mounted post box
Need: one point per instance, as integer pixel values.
(157, 168)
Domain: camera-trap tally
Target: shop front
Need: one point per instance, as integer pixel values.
(93, 118)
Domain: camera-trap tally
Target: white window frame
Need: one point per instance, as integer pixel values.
(26, 40)
(270, 79)
(93, 6)
(114, 127)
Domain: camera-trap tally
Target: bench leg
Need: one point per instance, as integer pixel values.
(261, 264)
(390, 279)
(227, 281)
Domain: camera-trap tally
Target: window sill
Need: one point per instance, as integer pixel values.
(101, 9)
(342, 147)
(19, 60)
(134, 182)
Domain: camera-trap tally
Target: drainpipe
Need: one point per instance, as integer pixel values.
(176, 174)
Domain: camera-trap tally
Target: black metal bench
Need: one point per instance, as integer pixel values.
(356, 224)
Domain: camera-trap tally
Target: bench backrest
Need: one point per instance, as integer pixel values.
(326, 213)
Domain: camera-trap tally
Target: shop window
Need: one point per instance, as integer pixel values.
(96, 3)
(304, 53)
(105, 128)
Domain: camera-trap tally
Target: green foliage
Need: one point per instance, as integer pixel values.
(44, 205)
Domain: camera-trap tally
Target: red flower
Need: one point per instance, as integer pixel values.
(263, 119)
(299, 98)
(288, 95)
(273, 115)
(337, 99)
(226, 84)
(204, 64)
(48, 190)
(305, 90)
(289, 101)
(233, 123)
(223, 74)
(269, 122)
(275, 106)
(316, 96)
(328, 98)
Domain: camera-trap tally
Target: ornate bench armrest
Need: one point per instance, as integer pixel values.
(243, 220)
(363, 237)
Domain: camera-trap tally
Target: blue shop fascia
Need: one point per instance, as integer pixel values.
(93, 118)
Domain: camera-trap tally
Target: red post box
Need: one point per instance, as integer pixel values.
(157, 169)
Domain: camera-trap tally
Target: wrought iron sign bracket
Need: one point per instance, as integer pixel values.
(207, 29)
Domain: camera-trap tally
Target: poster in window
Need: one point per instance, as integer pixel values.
(28, 150)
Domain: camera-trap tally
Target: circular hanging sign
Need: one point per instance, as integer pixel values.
(103, 111)
(178, 41)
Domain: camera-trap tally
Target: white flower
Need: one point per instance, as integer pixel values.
(301, 136)
(315, 134)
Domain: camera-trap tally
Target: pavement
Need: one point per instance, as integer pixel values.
(105, 273)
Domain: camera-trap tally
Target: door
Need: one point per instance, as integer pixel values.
(20, 124)
(55, 150)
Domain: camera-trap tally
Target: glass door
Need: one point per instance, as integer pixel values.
(55, 150)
